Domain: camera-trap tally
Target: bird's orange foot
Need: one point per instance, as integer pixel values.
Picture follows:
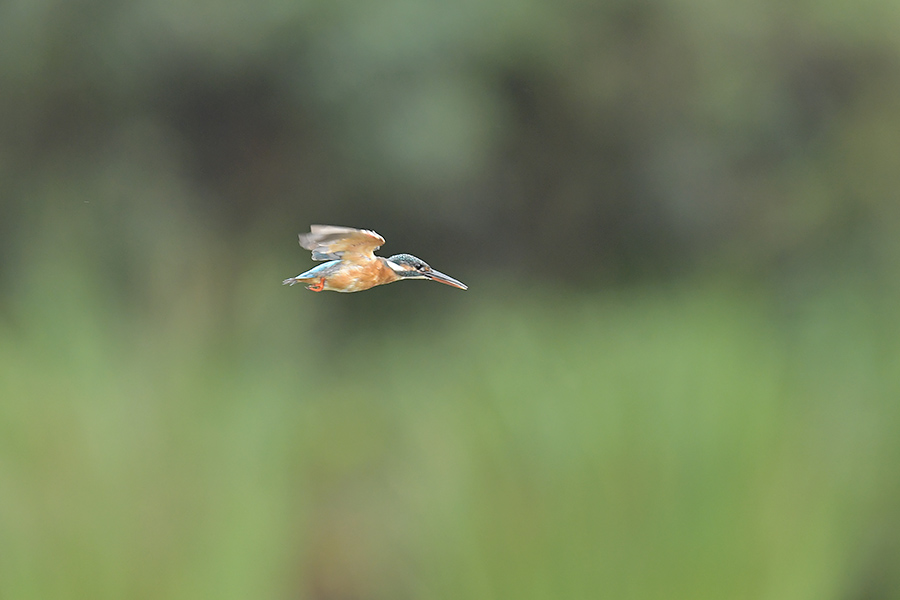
(317, 287)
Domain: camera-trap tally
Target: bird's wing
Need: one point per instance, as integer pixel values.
(329, 242)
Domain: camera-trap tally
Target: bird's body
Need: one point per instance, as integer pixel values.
(343, 276)
(352, 265)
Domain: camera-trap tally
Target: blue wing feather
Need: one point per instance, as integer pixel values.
(322, 270)
(317, 272)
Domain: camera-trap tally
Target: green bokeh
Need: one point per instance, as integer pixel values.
(674, 375)
(688, 441)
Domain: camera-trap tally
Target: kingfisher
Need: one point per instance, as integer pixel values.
(352, 265)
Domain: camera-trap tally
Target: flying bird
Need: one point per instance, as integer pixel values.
(352, 265)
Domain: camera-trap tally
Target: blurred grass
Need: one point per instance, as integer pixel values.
(233, 439)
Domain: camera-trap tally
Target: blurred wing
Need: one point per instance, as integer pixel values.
(328, 242)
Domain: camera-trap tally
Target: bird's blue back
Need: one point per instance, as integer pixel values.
(323, 270)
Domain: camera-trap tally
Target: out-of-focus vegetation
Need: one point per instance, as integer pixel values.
(675, 373)
(678, 443)
(648, 135)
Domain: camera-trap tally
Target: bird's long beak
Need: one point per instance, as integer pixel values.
(438, 276)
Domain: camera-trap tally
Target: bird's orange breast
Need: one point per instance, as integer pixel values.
(353, 277)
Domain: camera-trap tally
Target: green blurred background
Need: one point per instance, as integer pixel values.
(675, 374)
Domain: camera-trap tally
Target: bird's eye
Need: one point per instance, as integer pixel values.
(421, 267)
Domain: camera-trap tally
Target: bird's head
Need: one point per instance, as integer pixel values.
(408, 266)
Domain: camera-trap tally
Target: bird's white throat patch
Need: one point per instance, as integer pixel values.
(395, 267)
